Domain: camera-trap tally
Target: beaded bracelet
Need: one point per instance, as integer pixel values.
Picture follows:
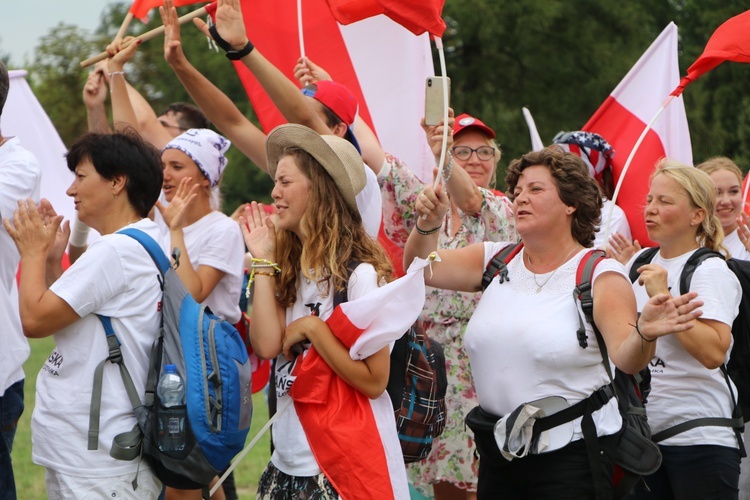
(429, 231)
(448, 169)
(261, 264)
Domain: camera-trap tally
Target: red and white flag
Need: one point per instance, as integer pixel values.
(629, 108)
(380, 61)
(343, 426)
(418, 16)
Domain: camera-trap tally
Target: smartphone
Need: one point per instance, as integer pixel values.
(433, 99)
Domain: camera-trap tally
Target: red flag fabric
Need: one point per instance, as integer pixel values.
(624, 114)
(141, 8)
(390, 90)
(348, 432)
(730, 42)
(418, 16)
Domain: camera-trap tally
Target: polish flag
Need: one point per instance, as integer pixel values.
(390, 89)
(417, 16)
(624, 115)
(343, 426)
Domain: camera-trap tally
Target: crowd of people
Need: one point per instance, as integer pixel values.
(516, 342)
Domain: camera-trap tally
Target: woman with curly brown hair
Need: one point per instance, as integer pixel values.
(314, 248)
(522, 341)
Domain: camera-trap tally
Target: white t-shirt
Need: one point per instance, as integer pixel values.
(115, 277)
(619, 224)
(370, 204)
(20, 178)
(292, 454)
(736, 248)
(682, 389)
(215, 240)
(523, 346)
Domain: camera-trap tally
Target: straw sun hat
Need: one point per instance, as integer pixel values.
(337, 156)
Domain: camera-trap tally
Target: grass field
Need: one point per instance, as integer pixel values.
(30, 477)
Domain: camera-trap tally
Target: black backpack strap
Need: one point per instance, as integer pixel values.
(341, 296)
(644, 258)
(695, 260)
(582, 292)
(498, 265)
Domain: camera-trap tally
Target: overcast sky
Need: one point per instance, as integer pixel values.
(24, 22)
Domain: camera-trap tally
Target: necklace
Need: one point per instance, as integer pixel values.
(538, 286)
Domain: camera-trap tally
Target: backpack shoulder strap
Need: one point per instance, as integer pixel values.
(151, 246)
(498, 265)
(692, 263)
(582, 293)
(644, 258)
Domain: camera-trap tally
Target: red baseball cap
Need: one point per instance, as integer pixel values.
(464, 121)
(335, 97)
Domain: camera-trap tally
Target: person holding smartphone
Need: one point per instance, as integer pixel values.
(476, 214)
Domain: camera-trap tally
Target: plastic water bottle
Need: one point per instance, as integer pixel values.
(171, 391)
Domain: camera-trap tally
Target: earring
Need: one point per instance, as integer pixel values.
(569, 211)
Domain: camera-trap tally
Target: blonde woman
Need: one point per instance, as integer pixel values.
(687, 381)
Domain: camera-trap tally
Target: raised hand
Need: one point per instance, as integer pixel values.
(259, 232)
(172, 38)
(654, 278)
(621, 248)
(95, 89)
(431, 206)
(434, 134)
(119, 55)
(743, 232)
(308, 72)
(32, 236)
(664, 315)
(174, 214)
(229, 23)
(62, 236)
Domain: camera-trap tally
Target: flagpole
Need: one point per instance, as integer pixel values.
(149, 35)
(300, 32)
(444, 72)
(252, 443)
(124, 26)
(628, 162)
(536, 140)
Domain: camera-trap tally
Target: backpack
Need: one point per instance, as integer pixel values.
(636, 455)
(416, 385)
(213, 362)
(738, 367)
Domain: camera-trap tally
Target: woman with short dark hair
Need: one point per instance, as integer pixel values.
(117, 180)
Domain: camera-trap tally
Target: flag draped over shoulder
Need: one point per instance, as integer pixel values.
(730, 42)
(339, 421)
(141, 8)
(624, 115)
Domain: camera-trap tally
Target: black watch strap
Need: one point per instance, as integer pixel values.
(231, 54)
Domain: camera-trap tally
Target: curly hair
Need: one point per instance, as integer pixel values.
(701, 192)
(335, 237)
(575, 187)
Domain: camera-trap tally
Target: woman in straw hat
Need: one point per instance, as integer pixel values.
(301, 259)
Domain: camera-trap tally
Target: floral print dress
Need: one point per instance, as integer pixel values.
(445, 315)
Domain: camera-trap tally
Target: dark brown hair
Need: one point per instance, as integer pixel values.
(575, 187)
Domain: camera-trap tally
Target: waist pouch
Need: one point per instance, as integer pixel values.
(482, 424)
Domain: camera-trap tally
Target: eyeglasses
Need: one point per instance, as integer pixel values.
(484, 153)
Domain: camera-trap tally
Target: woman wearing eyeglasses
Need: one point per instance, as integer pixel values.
(476, 214)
